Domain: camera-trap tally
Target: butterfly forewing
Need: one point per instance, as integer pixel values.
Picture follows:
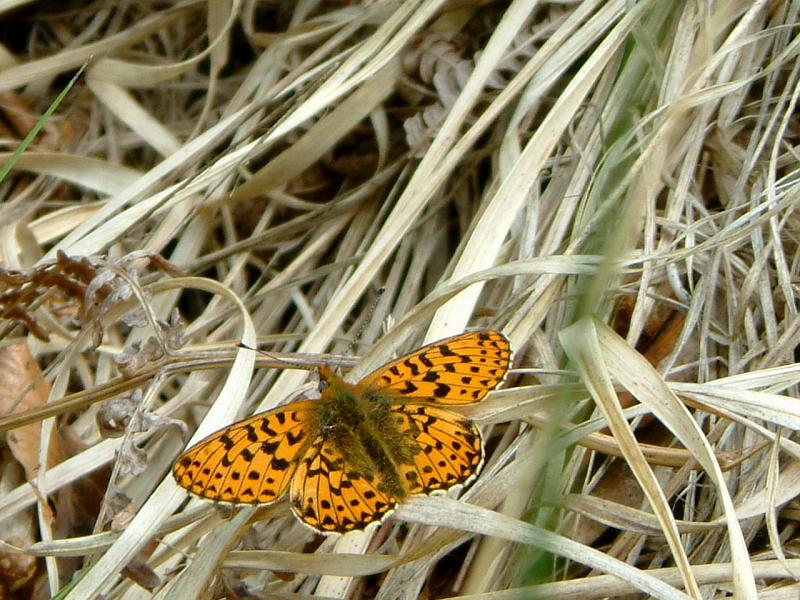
(251, 461)
(456, 370)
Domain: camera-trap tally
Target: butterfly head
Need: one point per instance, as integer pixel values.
(326, 376)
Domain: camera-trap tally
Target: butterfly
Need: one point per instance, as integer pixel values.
(349, 457)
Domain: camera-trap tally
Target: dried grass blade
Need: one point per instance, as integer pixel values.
(583, 348)
(644, 382)
(168, 495)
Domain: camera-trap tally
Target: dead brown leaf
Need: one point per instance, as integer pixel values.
(75, 507)
(16, 569)
(24, 389)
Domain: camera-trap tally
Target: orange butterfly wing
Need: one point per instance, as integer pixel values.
(331, 496)
(451, 447)
(457, 370)
(252, 461)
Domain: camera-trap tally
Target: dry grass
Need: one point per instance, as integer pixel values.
(610, 183)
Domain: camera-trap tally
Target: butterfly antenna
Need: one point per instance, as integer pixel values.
(366, 321)
(265, 353)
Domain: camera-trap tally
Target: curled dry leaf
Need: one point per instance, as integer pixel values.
(76, 505)
(114, 416)
(62, 282)
(125, 414)
(132, 459)
(137, 355)
(121, 508)
(24, 389)
(140, 572)
(96, 284)
(121, 519)
(16, 569)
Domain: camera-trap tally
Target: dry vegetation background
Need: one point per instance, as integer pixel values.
(262, 168)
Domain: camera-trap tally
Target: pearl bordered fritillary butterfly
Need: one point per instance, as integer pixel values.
(348, 458)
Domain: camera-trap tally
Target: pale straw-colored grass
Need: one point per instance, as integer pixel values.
(610, 183)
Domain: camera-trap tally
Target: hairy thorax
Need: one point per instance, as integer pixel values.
(361, 425)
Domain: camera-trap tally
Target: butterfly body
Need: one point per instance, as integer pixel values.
(359, 422)
(348, 458)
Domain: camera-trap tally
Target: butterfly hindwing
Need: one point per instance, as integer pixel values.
(331, 496)
(450, 447)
